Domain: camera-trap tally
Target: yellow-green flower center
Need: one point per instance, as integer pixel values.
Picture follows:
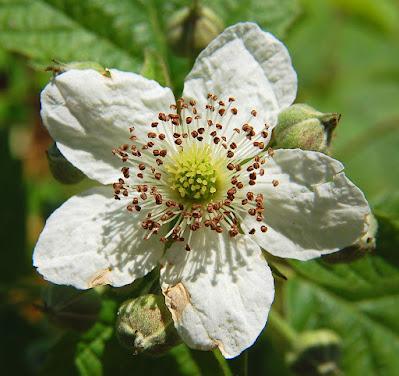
(195, 175)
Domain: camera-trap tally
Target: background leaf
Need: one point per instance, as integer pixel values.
(359, 302)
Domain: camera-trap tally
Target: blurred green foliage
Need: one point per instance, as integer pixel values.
(346, 55)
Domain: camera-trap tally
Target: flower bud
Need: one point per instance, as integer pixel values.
(362, 247)
(145, 325)
(301, 126)
(316, 353)
(70, 308)
(63, 170)
(191, 29)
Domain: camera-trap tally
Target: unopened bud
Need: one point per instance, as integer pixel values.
(316, 353)
(63, 170)
(301, 126)
(191, 29)
(365, 245)
(70, 308)
(57, 67)
(145, 325)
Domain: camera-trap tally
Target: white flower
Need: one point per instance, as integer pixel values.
(196, 196)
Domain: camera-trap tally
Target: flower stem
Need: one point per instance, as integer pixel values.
(277, 323)
(222, 363)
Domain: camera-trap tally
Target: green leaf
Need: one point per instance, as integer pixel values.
(275, 16)
(359, 301)
(155, 68)
(90, 348)
(72, 30)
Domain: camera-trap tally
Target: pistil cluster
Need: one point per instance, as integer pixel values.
(189, 173)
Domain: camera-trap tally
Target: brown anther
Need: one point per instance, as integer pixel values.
(141, 166)
(179, 141)
(137, 207)
(151, 135)
(222, 111)
(264, 134)
(135, 201)
(252, 182)
(125, 172)
(234, 111)
(187, 248)
(253, 113)
(250, 196)
(159, 161)
(157, 176)
(270, 151)
(194, 134)
(230, 154)
(131, 129)
(240, 185)
(143, 196)
(189, 119)
(252, 175)
(233, 145)
(161, 136)
(252, 231)
(231, 99)
(230, 166)
(156, 153)
(176, 135)
(213, 133)
(125, 192)
(163, 153)
(216, 140)
(140, 175)
(263, 228)
(158, 199)
(162, 117)
(244, 201)
(192, 102)
(275, 183)
(261, 171)
(219, 126)
(221, 103)
(201, 130)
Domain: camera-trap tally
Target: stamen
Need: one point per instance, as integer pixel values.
(195, 170)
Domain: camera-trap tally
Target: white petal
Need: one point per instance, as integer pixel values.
(219, 293)
(89, 114)
(314, 210)
(250, 65)
(91, 240)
